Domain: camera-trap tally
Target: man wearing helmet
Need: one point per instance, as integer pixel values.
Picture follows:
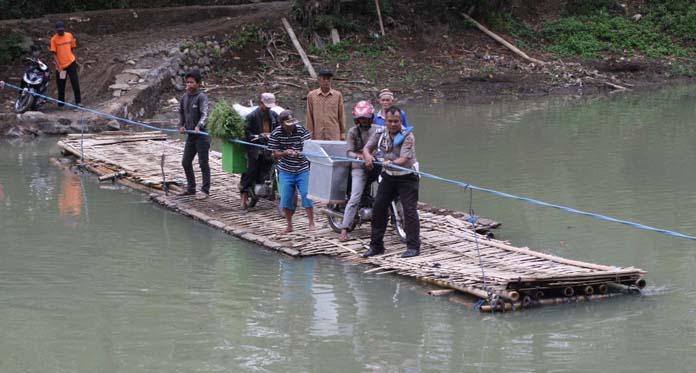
(363, 113)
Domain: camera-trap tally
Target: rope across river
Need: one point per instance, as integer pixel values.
(421, 173)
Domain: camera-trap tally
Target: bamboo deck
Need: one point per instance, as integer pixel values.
(511, 278)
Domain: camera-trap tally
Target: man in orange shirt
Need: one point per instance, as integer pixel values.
(62, 44)
(326, 119)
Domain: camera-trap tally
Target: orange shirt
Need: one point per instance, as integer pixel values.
(62, 46)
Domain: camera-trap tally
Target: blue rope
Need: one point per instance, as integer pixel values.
(421, 173)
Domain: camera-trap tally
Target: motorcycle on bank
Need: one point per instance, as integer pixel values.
(35, 80)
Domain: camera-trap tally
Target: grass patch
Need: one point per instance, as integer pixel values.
(683, 69)
(343, 51)
(675, 17)
(591, 36)
(250, 34)
(10, 48)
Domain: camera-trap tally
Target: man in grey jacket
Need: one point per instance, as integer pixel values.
(193, 116)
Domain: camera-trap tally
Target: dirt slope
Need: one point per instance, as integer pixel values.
(107, 40)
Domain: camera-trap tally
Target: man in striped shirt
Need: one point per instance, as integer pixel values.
(287, 142)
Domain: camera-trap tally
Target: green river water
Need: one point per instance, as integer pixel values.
(97, 279)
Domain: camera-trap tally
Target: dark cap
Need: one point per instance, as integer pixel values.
(325, 72)
(60, 26)
(287, 117)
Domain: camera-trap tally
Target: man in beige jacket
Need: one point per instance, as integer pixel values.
(326, 118)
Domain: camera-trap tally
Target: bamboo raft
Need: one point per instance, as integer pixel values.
(500, 276)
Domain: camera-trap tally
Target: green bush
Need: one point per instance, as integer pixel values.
(225, 122)
(676, 17)
(10, 48)
(589, 36)
(248, 34)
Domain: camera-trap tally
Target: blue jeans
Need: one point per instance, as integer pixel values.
(287, 183)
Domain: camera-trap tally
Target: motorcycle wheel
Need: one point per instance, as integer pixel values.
(397, 218)
(252, 198)
(275, 177)
(25, 100)
(334, 221)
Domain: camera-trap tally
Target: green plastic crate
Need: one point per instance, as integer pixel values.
(234, 157)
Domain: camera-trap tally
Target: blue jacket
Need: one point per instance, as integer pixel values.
(380, 121)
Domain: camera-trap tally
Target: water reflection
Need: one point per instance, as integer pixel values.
(70, 195)
(135, 283)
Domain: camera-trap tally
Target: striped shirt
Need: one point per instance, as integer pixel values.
(281, 140)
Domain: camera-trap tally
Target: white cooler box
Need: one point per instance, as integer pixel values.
(328, 178)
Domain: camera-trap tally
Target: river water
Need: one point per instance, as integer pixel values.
(96, 278)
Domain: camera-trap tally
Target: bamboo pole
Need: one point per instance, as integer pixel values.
(379, 15)
(440, 292)
(112, 175)
(503, 41)
(298, 46)
(546, 302)
(640, 283)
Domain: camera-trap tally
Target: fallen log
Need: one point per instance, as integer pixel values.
(440, 292)
(379, 16)
(113, 175)
(502, 41)
(298, 46)
(616, 86)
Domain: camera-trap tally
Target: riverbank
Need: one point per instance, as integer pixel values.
(244, 50)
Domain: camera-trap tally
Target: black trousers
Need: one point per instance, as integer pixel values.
(72, 74)
(406, 188)
(196, 145)
(258, 166)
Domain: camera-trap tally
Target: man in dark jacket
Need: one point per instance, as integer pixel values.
(193, 116)
(259, 125)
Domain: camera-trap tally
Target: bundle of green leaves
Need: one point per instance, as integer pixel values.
(225, 122)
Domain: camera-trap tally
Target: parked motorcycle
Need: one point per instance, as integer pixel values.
(35, 80)
(335, 211)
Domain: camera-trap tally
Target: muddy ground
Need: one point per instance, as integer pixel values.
(443, 64)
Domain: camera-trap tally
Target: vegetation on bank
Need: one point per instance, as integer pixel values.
(587, 29)
(13, 9)
(10, 48)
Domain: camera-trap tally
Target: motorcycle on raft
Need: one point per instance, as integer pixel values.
(335, 211)
(35, 80)
(266, 186)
